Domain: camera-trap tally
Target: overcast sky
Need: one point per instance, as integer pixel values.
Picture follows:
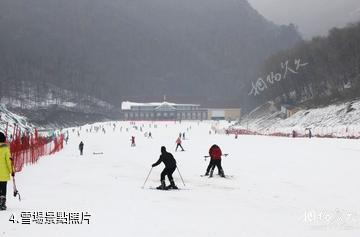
(314, 17)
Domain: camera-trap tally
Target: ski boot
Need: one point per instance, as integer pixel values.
(162, 185)
(207, 173)
(221, 173)
(172, 185)
(211, 173)
(2, 203)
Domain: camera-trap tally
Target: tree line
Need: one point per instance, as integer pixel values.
(329, 71)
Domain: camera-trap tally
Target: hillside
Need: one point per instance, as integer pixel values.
(9, 120)
(336, 120)
(314, 73)
(48, 105)
(191, 50)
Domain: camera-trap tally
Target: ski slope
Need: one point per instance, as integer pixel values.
(279, 186)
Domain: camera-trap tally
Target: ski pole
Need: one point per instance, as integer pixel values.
(147, 178)
(221, 155)
(16, 192)
(180, 175)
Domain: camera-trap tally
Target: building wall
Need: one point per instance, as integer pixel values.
(227, 114)
(166, 111)
(232, 114)
(164, 115)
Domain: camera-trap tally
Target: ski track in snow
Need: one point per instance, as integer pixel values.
(275, 182)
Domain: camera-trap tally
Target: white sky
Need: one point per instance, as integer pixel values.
(314, 17)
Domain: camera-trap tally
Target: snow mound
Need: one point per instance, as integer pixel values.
(341, 120)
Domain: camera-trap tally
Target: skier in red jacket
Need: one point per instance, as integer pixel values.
(178, 144)
(215, 160)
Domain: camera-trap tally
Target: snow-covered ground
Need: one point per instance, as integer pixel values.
(278, 186)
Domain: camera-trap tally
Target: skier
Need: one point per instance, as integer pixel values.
(170, 167)
(178, 144)
(133, 141)
(215, 160)
(81, 148)
(183, 135)
(310, 134)
(150, 136)
(5, 170)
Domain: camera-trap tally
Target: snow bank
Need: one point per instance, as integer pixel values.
(341, 120)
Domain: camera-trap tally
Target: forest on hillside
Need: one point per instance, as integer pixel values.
(316, 72)
(194, 51)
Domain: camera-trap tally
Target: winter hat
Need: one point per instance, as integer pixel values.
(163, 149)
(2, 137)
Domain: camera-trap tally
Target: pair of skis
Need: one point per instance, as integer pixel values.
(225, 177)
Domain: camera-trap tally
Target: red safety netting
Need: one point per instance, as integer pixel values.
(316, 133)
(26, 149)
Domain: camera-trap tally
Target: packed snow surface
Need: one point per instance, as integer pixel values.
(276, 186)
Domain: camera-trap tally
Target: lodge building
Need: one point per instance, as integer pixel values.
(162, 111)
(171, 111)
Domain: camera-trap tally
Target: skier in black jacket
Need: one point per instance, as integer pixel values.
(170, 167)
(81, 148)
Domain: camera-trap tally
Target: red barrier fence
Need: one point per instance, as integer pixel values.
(27, 149)
(283, 134)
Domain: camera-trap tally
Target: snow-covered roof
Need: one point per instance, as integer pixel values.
(126, 105)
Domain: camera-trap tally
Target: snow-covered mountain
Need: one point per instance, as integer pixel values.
(139, 50)
(47, 104)
(338, 120)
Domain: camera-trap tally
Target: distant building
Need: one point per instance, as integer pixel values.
(162, 111)
(289, 110)
(224, 114)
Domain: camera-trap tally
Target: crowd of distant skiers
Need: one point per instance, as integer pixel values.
(215, 155)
